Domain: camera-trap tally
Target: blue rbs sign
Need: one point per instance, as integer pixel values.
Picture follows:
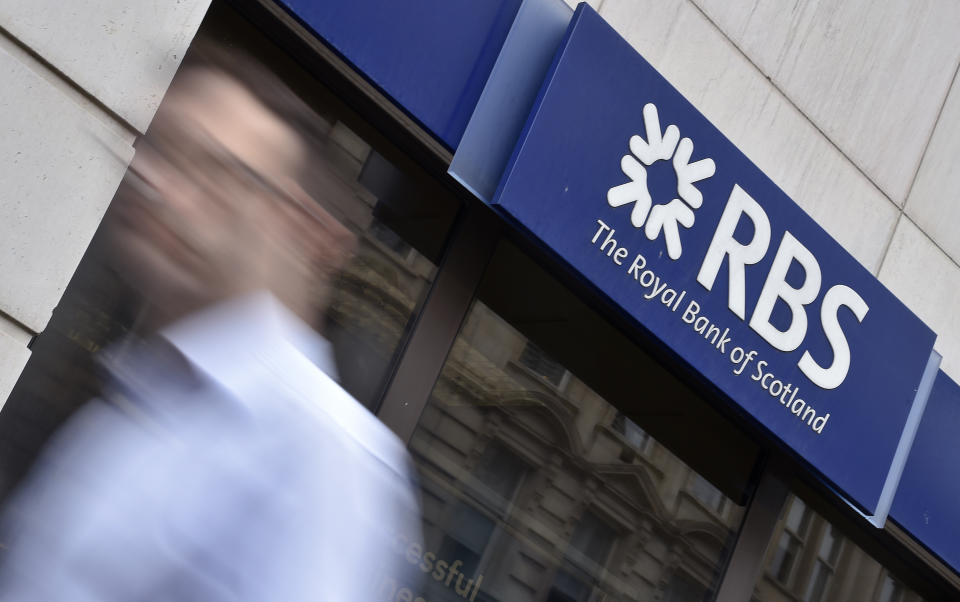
(628, 183)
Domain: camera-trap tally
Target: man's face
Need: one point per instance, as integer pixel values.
(195, 219)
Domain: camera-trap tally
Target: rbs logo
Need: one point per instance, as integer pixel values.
(666, 145)
(661, 146)
(725, 246)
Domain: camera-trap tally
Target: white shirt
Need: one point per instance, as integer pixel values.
(249, 476)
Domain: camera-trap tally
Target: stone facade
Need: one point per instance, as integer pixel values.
(538, 484)
(81, 81)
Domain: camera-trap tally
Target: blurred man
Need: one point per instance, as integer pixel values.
(224, 463)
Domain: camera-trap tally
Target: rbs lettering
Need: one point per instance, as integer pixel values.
(775, 287)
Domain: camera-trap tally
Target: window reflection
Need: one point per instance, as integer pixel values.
(891, 590)
(539, 363)
(707, 494)
(538, 489)
(684, 589)
(566, 588)
(638, 438)
(814, 562)
(790, 542)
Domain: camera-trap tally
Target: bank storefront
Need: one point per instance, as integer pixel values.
(627, 365)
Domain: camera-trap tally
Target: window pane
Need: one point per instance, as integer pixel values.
(684, 589)
(536, 360)
(707, 494)
(635, 436)
(500, 472)
(890, 590)
(818, 582)
(471, 528)
(784, 558)
(590, 518)
(822, 565)
(593, 538)
(830, 545)
(566, 588)
(798, 517)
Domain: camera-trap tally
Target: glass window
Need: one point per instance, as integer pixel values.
(798, 518)
(567, 588)
(592, 539)
(499, 473)
(537, 361)
(824, 565)
(592, 506)
(707, 494)
(891, 590)
(790, 542)
(814, 562)
(684, 589)
(638, 438)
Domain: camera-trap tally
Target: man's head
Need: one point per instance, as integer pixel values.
(211, 205)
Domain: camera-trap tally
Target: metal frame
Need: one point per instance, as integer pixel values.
(473, 241)
(745, 564)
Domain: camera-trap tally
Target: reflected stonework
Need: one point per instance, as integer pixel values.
(812, 561)
(543, 490)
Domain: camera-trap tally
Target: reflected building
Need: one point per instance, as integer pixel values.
(809, 559)
(545, 491)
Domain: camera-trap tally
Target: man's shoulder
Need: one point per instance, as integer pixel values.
(327, 400)
(266, 358)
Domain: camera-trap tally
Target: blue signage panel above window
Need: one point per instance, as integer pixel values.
(929, 495)
(627, 182)
(432, 57)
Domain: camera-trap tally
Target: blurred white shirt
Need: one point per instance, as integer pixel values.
(242, 473)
